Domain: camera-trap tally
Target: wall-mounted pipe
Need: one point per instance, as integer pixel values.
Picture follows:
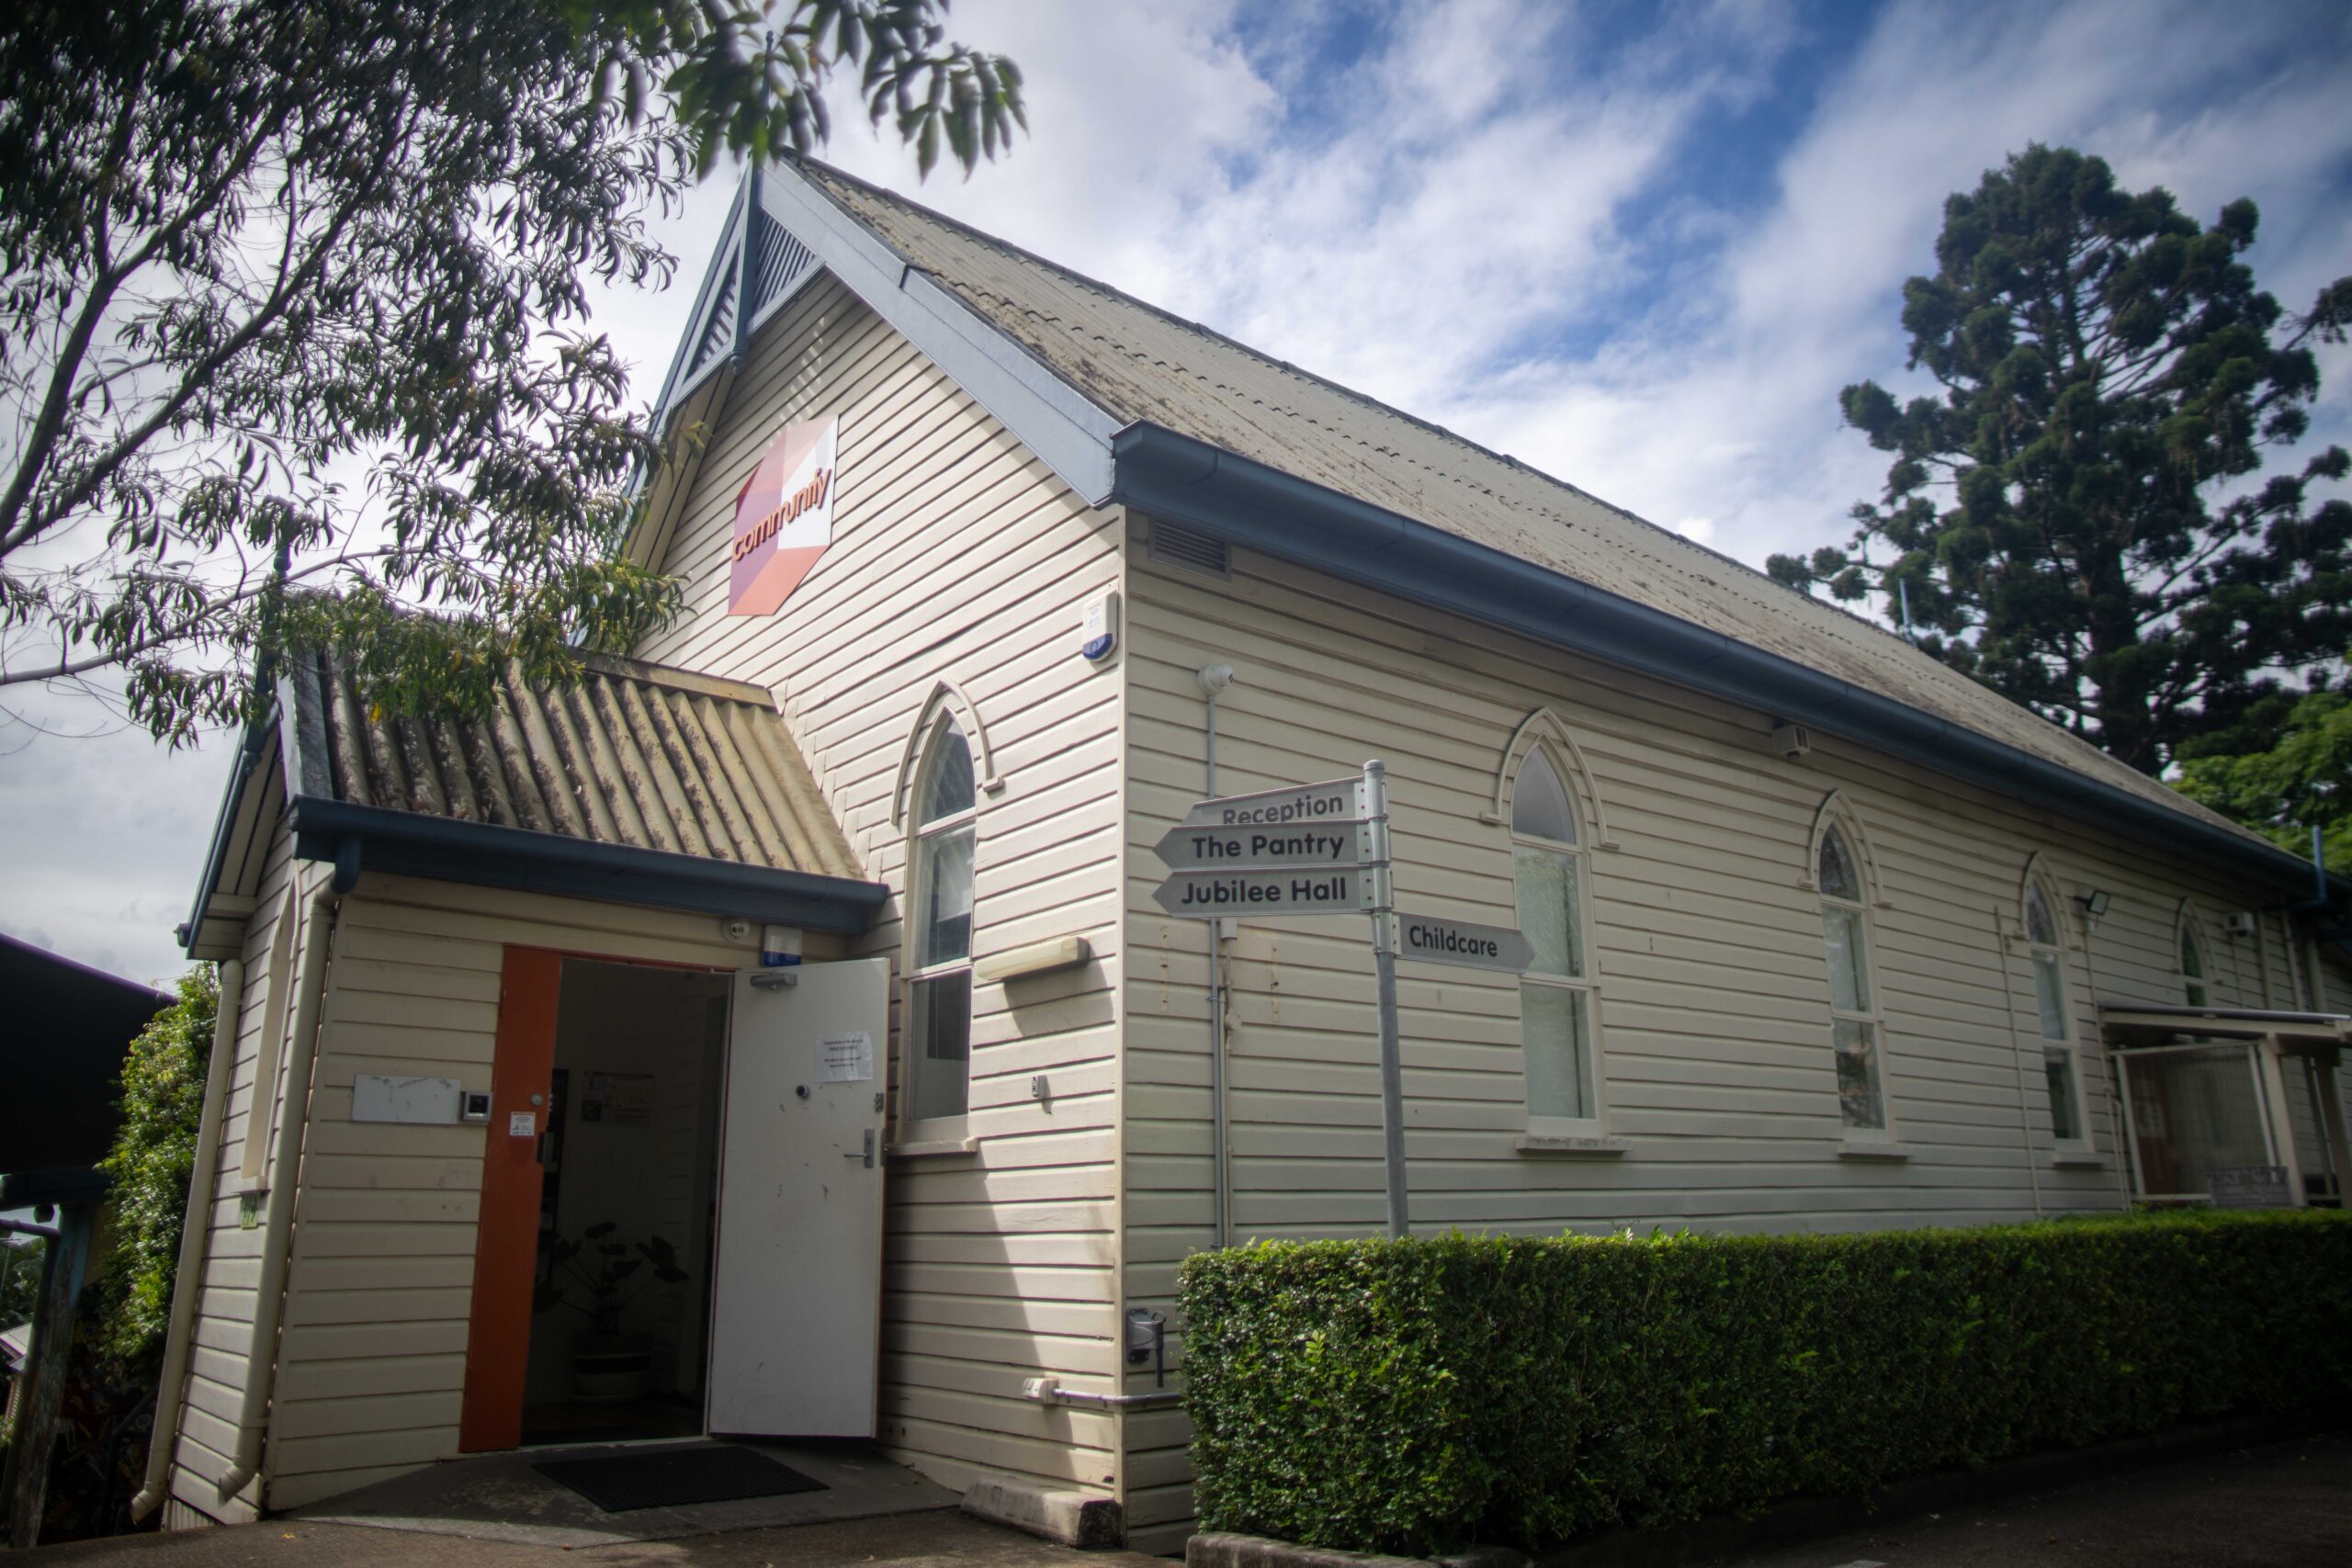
(261, 1352)
(1046, 1391)
(1214, 679)
(196, 1236)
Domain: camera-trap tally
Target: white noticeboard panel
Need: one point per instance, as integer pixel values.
(379, 1097)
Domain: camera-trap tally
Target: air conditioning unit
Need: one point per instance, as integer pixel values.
(2238, 922)
(1792, 741)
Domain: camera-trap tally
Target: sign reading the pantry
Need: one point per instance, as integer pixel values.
(784, 518)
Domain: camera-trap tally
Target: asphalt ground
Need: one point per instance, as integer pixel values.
(2283, 1506)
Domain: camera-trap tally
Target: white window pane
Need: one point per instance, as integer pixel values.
(1538, 803)
(947, 776)
(2066, 1112)
(1849, 979)
(1548, 912)
(1859, 1100)
(1559, 1076)
(2050, 993)
(2038, 926)
(943, 931)
(1836, 871)
(939, 1046)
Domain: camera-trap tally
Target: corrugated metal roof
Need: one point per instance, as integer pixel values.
(635, 754)
(1138, 364)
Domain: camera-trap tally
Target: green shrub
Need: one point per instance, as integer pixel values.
(155, 1151)
(1416, 1395)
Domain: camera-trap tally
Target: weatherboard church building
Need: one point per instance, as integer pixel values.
(859, 950)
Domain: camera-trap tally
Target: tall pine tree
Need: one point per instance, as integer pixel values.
(2080, 517)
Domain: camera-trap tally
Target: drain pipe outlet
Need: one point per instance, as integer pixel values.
(195, 1234)
(261, 1354)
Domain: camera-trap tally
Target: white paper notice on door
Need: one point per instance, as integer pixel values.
(845, 1058)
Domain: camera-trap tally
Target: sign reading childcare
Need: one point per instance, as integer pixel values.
(784, 518)
(1435, 941)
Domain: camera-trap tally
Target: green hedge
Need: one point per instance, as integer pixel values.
(1421, 1394)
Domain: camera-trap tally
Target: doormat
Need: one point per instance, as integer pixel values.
(676, 1478)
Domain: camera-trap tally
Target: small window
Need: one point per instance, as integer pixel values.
(938, 1023)
(1555, 994)
(1854, 1024)
(2192, 964)
(2059, 1063)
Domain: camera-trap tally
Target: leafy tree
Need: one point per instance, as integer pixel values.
(2079, 518)
(154, 1154)
(293, 328)
(2301, 780)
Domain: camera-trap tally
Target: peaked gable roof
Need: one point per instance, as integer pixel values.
(1128, 403)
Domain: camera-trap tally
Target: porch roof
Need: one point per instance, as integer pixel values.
(640, 784)
(2151, 1023)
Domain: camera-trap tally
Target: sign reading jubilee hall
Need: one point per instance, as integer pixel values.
(784, 518)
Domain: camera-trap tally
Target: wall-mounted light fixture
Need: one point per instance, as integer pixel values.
(2093, 902)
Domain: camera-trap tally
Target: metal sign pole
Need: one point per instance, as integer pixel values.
(1384, 969)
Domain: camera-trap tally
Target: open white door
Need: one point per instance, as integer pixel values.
(797, 1301)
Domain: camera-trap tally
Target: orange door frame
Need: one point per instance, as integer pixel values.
(506, 1237)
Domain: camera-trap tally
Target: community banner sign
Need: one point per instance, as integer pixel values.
(784, 518)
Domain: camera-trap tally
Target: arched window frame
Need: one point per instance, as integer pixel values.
(930, 1110)
(1847, 923)
(2047, 962)
(2195, 979)
(1583, 989)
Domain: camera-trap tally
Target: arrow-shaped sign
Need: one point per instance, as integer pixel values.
(1214, 894)
(1342, 800)
(1434, 940)
(1338, 844)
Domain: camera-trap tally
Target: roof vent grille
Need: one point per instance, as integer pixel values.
(1185, 547)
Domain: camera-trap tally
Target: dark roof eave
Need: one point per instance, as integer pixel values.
(372, 838)
(1164, 473)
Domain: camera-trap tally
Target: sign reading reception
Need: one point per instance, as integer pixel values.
(784, 518)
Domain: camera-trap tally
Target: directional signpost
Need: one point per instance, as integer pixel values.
(1322, 849)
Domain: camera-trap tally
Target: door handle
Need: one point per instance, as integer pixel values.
(865, 1155)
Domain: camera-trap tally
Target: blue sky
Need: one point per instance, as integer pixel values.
(1638, 246)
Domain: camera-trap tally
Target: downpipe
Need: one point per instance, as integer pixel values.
(1214, 680)
(196, 1237)
(261, 1354)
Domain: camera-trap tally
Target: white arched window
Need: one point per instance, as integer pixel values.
(2193, 990)
(1855, 1030)
(1555, 994)
(2058, 1059)
(939, 960)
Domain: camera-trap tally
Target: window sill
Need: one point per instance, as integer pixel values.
(2079, 1160)
(1572, 1145)
(920, 1149)
(1854, 1148)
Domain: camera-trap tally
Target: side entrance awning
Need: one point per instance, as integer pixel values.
(2207, 1111)
(640, 784)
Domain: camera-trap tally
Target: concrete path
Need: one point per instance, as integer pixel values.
(945, 1538)
(2287, 1505)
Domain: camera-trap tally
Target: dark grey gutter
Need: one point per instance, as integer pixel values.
(1185, 480)
(402, 843)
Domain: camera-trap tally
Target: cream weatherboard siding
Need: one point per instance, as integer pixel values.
(224, 1312)
(1705, 937)
(379, 1277)
(957, 561)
